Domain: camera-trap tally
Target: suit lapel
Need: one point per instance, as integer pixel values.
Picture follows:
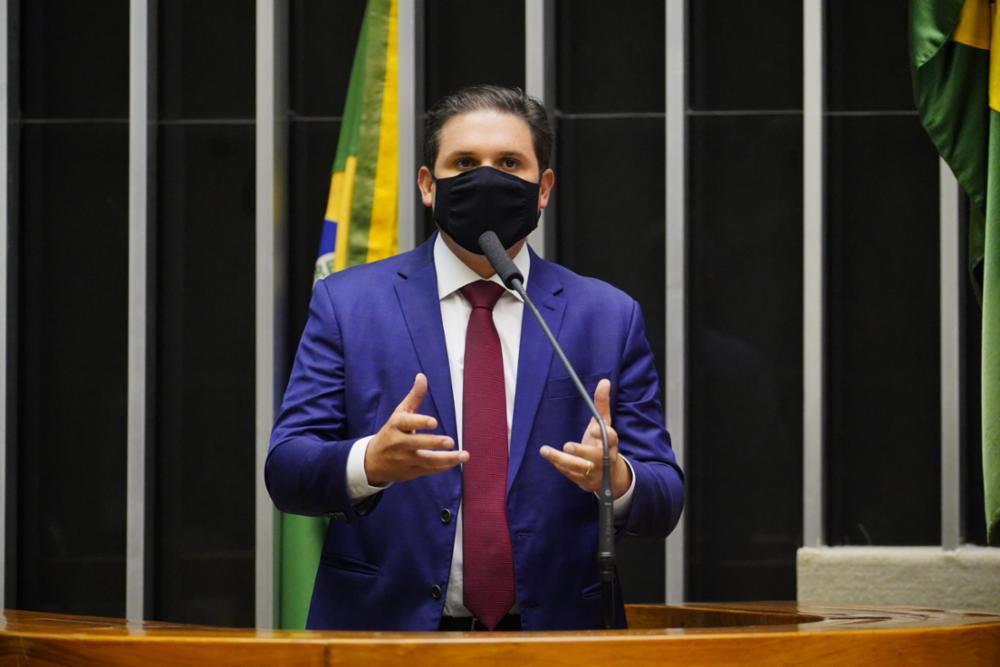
(534, 358)
(418, 298)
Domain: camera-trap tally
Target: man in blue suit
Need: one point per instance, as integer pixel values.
(427, 415)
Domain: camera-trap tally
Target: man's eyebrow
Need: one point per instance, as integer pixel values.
(459, 153)
(469, 153)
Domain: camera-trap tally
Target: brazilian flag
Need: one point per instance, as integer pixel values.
(359, 226)
(955, 56)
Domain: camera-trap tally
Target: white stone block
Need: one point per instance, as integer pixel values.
(966, 578)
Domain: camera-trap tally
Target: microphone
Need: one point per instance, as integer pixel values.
(490, 244)
(512, 278)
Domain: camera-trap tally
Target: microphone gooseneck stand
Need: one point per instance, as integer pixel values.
(512, 278)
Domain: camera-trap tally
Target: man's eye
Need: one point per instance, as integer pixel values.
(464, 163)
(509, 163)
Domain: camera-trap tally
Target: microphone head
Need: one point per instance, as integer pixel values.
(497, 256)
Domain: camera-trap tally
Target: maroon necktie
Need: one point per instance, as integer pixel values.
(487, 565)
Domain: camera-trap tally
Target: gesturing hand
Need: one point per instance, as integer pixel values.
(580, 462)
(398, 453)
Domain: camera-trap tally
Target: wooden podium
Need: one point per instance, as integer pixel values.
(692, 634)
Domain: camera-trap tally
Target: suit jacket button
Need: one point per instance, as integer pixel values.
(445, 515)
(436, 592)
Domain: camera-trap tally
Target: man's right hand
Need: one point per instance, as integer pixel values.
(398, 453)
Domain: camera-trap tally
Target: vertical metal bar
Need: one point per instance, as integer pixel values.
(4, 302)
(407, 68)
(951, 348)
(10, 135)
(813, 530)
(271, 296)
(139, 196)
(539, 82)
(676, 269)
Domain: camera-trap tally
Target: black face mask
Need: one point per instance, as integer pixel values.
(486, 199)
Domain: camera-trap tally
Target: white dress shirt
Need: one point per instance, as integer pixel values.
(452, 275)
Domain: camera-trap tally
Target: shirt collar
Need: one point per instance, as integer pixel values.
(453, 274)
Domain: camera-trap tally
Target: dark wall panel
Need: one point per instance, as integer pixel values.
(609, 194)
(744, 439)
(472, 41)
(974, 530)
(612, 219)
(883, 336)
(204, 442)
(68, 411)
(203, 527)
(609, 60)
(322, 39)
(74, 59)
(744, 452)
(745, 55)
(883, 358)
(72, 357)
(611, 226)
(867, 56)
(206, 59)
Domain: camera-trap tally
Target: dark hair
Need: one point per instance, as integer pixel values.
(486, 97)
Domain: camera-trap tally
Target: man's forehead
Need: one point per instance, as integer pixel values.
(486, 128)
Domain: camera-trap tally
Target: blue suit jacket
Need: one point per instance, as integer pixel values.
(385, 563)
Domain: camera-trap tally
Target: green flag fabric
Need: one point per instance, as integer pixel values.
(955, 57)
(360, 226)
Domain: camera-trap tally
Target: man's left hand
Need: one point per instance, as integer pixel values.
(580, 462)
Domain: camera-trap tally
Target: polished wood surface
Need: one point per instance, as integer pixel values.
(692, 634)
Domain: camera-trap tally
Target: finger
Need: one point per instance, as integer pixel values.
(589, 452)
(579, 478)
(410, 421)
(412, 400)
(416, 441)
(602, 400)
(594, 431)
(566, 461)
(591, 456)
(440, 460)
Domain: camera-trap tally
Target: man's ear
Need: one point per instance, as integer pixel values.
(426, 184)
(545, 184)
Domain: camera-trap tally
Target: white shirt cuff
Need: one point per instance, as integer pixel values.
(358, 487)
(622, 504)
